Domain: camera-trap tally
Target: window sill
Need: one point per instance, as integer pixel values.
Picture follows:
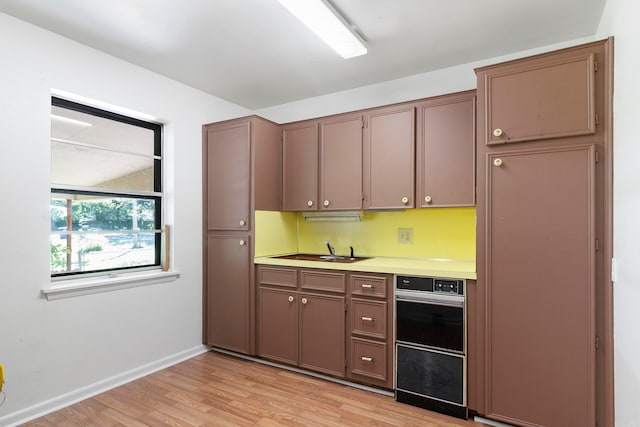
(77, 287)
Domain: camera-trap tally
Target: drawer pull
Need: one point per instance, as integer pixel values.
(366, 359)
(367, 319)
(366, 286)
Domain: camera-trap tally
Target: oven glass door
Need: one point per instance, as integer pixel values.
(431, 325)
(431, 373)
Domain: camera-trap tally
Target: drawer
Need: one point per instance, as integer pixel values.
(369, 318)
(277, 276)
(369, 359)
(323, 281)
(375, 286)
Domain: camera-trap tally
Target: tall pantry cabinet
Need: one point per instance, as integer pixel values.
(542, 303)
(241, 174)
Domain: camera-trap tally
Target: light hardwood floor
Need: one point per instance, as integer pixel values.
(219, 390)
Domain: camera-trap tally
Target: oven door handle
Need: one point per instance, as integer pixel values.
(435, 299)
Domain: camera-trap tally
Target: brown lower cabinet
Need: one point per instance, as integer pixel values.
(307, 318)
(301, 328)
(321, 345)
(228, 300)
(370, 325)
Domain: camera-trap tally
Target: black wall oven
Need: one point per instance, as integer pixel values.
(431, 344)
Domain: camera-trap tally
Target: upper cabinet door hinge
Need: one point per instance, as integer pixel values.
(597, 342)
(365, 123)
(282, 137)
(597, 245)
(597, 157)
(596, 119)
(595, 66)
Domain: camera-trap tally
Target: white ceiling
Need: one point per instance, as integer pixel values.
(256, 54)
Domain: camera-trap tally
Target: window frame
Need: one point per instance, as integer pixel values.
(156, 195)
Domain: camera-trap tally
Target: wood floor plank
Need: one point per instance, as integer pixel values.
(88, 412)
(218, 390)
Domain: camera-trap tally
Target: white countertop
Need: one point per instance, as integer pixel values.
(455, 269)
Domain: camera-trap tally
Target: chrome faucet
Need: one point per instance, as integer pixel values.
(332, 252)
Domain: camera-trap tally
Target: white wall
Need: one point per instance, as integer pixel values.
(54, 349)
(621, 20)
(440, 82)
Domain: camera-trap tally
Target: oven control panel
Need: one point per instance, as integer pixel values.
(430, 284)
(447, 286)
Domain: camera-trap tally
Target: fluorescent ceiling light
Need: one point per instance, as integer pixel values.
(70, 121)
(326, 22)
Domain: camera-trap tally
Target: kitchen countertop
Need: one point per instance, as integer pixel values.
(455, 269)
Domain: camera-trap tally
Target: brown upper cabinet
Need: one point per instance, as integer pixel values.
(234, 185)
(341, 162)
(228, 176)
(389, 155)
(540, 99)
(445, 165)
(300, 166)
(322, 164)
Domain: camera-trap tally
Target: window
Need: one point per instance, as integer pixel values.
(106, 191)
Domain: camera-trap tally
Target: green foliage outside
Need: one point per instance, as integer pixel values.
(96, 247)
(58, 258)
(103, 214)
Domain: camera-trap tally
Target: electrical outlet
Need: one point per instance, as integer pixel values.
(405, 236)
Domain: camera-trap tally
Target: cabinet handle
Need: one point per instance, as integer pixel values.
(367, 319)
(242, 222)
(304, 300)
(497, 162)
(242, 243)
(405, 200)
(325, 203)
(427, 199)
(290, 298)
(310, 203)
(366, 286)
(366, 359)
(497, 132)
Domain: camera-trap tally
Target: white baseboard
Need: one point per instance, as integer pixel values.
(64, 400)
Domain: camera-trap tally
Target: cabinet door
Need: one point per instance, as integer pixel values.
(341, 163)
(278, 324)
(322, 333)
(446, 151)
(267, 165)
(228, 292)
(389, 158)
(540, 278)
(228, 178)
(300, 167)
(541, 98)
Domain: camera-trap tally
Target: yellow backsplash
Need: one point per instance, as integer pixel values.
(445, 233)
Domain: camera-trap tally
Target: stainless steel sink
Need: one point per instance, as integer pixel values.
(322, 258)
